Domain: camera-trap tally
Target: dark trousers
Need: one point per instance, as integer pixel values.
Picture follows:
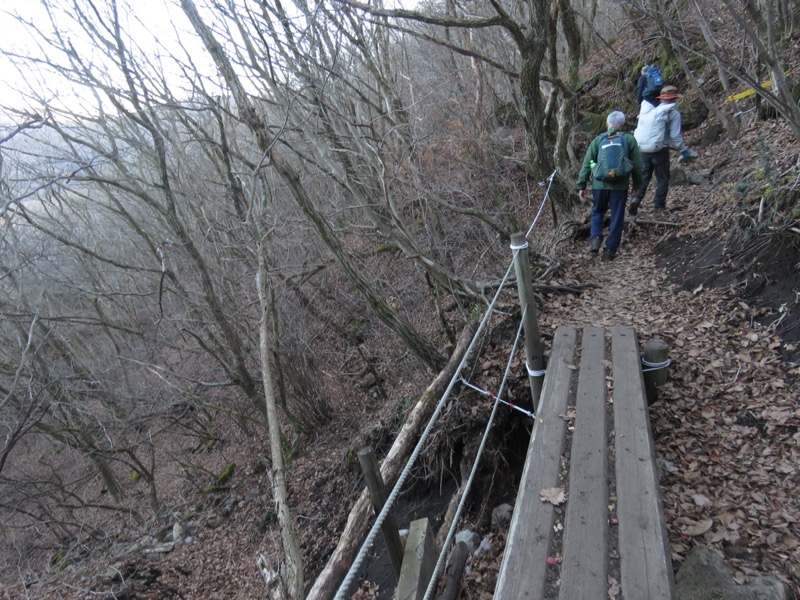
(657, 162)
(604, 200)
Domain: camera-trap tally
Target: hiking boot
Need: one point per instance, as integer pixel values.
(609, 254)
(633, 209)
(660, 209)
(594, 248)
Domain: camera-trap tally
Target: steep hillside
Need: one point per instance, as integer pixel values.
(727, 424)
(717, 277)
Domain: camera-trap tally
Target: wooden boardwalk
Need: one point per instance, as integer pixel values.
(612, 523)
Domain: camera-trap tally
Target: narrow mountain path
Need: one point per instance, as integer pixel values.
(726, 423)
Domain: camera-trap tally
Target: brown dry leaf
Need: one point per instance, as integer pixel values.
(613, 587)
(569, 415)
(554, 496)
(718, 535)
(695, 528)
(778, 415)
(701, 500)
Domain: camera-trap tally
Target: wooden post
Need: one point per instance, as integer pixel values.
(419, 562)
(533, 341)
(377, 491)
(656, 354)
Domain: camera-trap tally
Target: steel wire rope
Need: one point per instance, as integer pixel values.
(433, 583)
(655, 366)
(544, 201)
(370, 539)
(365, 547)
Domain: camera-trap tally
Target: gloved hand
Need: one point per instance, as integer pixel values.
(687, 155)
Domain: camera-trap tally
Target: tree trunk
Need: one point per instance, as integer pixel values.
(291, 573)
(563, 159)
(532, 52)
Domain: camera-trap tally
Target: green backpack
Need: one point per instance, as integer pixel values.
(613, 164)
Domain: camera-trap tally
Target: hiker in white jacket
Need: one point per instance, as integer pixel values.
(658, 130)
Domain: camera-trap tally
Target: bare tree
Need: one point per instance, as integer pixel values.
(121, 271)
(252, 117)
(290, 583)
(137, 221)
(760, 27)
(532, 30)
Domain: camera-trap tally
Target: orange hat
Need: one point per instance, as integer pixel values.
(669, 92)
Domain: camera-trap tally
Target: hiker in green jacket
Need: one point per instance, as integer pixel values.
(613, 160)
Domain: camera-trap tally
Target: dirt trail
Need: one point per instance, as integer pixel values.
(630, 290)
(726, 423)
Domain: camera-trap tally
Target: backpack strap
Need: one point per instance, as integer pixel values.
(624, 142)
(603, 138)
(621, 135)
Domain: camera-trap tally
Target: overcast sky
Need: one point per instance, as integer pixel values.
(154, 25)
(152, 20)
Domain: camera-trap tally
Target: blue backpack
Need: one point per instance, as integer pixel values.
(613, 164)
(653, 81)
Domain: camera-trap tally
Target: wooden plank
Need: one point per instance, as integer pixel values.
(584, 568)
(645, 563)
(524, 568)
(419, 561)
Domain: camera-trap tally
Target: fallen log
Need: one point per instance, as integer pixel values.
(454, 572)
(359, 522)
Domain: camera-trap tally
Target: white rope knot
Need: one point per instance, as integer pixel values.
(651, 366)
(534, 372)
(520, 247)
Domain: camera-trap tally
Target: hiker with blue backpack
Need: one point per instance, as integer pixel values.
(613, 160)
(658, 130)
(649, 85)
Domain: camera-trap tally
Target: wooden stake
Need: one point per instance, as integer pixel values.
(419, 562)
(533, 341)
(656, 352)
(377, 491)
